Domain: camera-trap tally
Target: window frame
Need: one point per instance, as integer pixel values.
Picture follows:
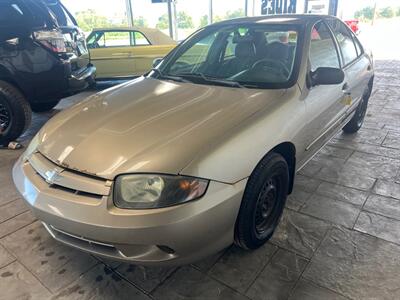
(300, 29)
(357, 42)
(345, 65)
(118, 46)
(133, 38)
(131, 33)
(335, 43)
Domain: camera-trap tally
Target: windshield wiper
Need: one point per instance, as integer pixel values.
(213, 80)
(161, 75)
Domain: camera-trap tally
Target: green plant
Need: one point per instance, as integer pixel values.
(203, 21)
(89, 19)
(366, 13)
(387, 12)
(234, 14)
(184, 20)
(163, 22)
(140, 21)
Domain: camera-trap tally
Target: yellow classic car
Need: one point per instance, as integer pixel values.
(126, 52)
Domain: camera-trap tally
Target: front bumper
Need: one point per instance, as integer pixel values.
(169, 236)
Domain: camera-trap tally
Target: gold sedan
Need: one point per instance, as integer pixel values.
(126, 52)
(202, 152)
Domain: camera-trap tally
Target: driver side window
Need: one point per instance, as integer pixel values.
(323, 52)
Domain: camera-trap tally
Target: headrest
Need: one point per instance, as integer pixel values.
(245, 49)
(279, 51)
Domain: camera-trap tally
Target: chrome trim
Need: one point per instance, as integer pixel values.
(56, 175)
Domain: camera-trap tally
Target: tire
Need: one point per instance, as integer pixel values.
(15, 113)
(260, 215)
(357, 120)
(42, 107)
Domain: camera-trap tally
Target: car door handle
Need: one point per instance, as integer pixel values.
(346, 89)
(369, 68)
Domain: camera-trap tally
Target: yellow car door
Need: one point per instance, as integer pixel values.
(111, 53)
(144, 53)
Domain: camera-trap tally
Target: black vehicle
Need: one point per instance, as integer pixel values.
(43, 57)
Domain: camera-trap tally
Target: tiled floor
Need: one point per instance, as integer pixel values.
(339, 237)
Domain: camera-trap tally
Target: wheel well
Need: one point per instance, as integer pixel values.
(288, 151)
(371, 82)
(13, 83)
(370, 86)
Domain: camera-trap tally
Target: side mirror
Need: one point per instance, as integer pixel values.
(157, 61)
(325, 76)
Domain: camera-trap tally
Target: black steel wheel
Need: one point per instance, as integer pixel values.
(266, 207)
(5, 116)
(263, 202)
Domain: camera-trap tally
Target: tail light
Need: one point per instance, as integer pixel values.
(52, 40)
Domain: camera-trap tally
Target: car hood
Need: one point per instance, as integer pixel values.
(147, 125)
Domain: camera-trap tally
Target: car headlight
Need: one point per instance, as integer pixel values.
(140, 191)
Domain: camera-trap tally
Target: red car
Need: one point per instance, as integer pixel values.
(353, 24)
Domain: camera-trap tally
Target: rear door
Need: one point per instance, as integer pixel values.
(324, 103)
(356, 65)
(143, 52)
(111, 53)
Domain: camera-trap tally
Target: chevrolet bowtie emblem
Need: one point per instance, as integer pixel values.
(52, 176)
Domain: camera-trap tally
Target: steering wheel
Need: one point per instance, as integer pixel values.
(275, 65)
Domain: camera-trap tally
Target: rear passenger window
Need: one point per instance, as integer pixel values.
(323, 52)
(139, 39)
(345, 40)
(358, 45)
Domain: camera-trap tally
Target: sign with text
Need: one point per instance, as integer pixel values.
(273, 7)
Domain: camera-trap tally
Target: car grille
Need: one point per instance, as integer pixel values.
(69, 181)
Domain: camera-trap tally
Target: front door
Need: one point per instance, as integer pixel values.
(324, 103)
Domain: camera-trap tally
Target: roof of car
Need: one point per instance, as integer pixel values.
(155, 36)
(278, 19)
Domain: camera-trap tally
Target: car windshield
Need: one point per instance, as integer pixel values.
(256, 55)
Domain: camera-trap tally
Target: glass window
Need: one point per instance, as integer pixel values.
(194, 57)
(230, 49)
(323, 52)
(139, 39)
(358, 45)
(345, 40)
(115, 39)
(259, 55)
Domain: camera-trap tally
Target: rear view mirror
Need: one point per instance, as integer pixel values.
(325, 76)
(157, 61)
